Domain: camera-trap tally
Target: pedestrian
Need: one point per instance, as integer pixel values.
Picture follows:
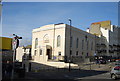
(9, 69)
(3, 70)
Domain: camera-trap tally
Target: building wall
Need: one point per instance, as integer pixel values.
(114, 40)
(23, 53)
(51, 32)
(95, 42)
(84, 49)
(95, 29)
(6, 43)
(86, 44)
(19, 53)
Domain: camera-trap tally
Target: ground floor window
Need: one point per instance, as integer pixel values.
(59, 53)
(35, 52)
(40, 51)
(76, 52)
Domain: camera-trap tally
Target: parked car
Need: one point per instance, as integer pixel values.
(114, 59)
(102, 61)
(115, 72)
(117, 62)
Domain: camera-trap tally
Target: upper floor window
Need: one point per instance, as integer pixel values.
(70, 52)
(58, 40)
(76, 52)
(36, 43)
(87, 44)
(77, 41)
(71, 41)
(87, 54)
(46, 38)
(82, 44)
(92, 46)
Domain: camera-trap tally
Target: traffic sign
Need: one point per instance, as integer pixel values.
(15, 43)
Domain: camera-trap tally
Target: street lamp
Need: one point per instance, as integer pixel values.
(70, 45)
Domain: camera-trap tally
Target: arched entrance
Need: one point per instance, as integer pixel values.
(49, 51)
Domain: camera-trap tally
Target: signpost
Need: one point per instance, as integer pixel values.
(15, 44)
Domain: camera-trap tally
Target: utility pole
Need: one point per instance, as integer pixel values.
(70, 47)
(15, 44)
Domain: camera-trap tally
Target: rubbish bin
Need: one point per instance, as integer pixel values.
(21, 73)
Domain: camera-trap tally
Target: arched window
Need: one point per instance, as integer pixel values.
(58, 41)
(36, 43)
(46, 38)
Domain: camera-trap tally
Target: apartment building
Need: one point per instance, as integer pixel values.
(109, 39)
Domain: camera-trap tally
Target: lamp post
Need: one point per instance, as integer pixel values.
(70, 46)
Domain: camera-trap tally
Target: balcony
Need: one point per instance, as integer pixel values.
(111, 51)
(102, 51)
(103, 45)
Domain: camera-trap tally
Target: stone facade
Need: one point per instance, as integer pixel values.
(53, 43)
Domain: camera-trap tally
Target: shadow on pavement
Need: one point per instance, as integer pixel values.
(49, 72)
(45, 73)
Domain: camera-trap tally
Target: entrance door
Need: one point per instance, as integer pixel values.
(49, 54)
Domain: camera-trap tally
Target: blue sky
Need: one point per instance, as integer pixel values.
(22, 17)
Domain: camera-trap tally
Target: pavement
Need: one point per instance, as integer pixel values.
(98, 67)
(84, 72)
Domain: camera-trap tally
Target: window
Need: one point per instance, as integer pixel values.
(92, 46)
(71, 41)
(70, 52)
(35, 52)
(46, 38)
(82, 53)
(58, 41)
(82, 44)
(87, 54)
(36, 43)
(86, 37)
(76, 52)
(87, 44)
(40, 51)
(77, 41)
(59, 53)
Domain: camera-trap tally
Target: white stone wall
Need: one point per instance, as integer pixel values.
(80, 35)
(64, 31)
(19, 53)
(52, 31)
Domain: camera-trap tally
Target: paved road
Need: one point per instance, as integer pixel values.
(74, 75)
(83, 75)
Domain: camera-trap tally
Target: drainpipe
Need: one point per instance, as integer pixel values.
(53, 42)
